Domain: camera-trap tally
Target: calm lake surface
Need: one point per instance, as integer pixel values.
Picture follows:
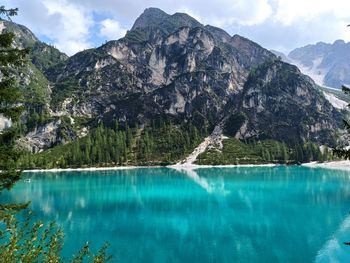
(265, 214)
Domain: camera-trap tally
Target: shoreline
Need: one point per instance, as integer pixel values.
(336, 165)
(174, 166)
(198, 166)
(87, 169)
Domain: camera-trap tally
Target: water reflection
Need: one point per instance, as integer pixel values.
(334, 249)
(272, 214)
(217, 186)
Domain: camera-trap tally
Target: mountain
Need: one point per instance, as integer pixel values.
(36, 87)
(173, 69)
(171, 65)
(42, 55)
(327, 64)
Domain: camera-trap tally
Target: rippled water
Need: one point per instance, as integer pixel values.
(266, 214)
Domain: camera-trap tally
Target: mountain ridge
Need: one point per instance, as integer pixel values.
(185, 73)
(326, 63)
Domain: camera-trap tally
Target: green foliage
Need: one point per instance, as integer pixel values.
(10, 103)
(233, 152)
(32, 86)
(163, 143)
(36, 97)
(35, 118)
(63, 90)
(260, 152)
(287, 76)
(340, 151)
(135, 37)
(255, 71)
(36, 92)
(78, 80)
(199, 120)
(34, 242)
(45, 56)
(166, 144)
(102, 146)
(8, 13)
(309, 152)
(8, 159)
(27, 241)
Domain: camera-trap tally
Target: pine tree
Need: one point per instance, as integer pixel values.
(128, 136)
(11, 59)
(268, 156)
(23, 241)
(340, 151)
(285, 156)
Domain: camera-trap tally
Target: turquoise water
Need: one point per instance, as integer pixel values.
(269, 214)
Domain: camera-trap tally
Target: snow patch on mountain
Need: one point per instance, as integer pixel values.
(336, 103)
(318, 76)
(314, 72)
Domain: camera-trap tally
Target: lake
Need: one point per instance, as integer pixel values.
(260, 214)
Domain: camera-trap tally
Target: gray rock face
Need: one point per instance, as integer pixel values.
(36, 89)
(173, 67)
(24, 37)
(328, 62)
(46, 136)
(153, 18)
(281, 103)
(42, 55)
(4, 122)
(194, 68)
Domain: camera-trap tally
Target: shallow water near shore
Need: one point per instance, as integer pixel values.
(250, 214)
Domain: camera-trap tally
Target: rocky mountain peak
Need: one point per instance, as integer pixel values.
(150, 16)
(218, 33)
(250, 53)
(173, 67)
(339, 42)
(42, 55)
(154, 18)
(24, 37)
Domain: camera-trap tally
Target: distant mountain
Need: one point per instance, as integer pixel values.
(171, 67)
(42, 55)
(327, 64)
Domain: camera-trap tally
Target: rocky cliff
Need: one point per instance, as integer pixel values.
(173, 67)
(36, 88)
(281, 103)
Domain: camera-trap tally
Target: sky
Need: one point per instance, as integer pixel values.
(75, 25)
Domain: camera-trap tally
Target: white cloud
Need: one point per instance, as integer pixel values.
(71, 33)
(272, 23)
(314, 20)
(226, 12)
(111, 29)
(219, 12)
(66, 24)
(289, 12)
